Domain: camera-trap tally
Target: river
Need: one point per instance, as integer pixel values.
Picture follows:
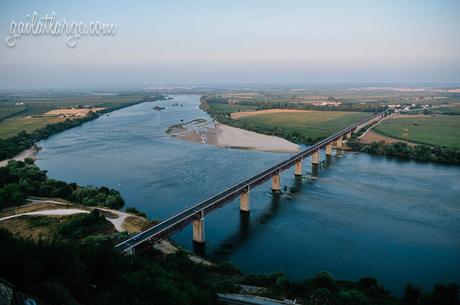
(397, 221)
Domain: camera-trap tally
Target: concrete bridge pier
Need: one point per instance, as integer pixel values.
(348, 136)
(315, 163)
(276, 183)
(328, 153)
(298, 169)
(244, 202)
(338, 147)
(198, 230)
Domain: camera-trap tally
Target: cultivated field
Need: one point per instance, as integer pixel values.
(443, 130)
(9, 109)
(453, 109)
(11, 126)
(312, 124)
(38, 110)
(348, 95)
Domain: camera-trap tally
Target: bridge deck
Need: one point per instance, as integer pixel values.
(178, 221)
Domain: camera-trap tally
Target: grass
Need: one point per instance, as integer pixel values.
(29, 117)
(432, 130)
(11, 126)
(451, 110)
(48, 227)
(9, 109)
(135, 224)
(37, 105)
(28, 226)
(36, 226)
(312, 124)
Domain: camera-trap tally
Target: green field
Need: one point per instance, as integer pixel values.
(9, 109)
(450, 110)
(313, 124)
(40, 104)
(433, 130)
(28, 117)
(11, 126)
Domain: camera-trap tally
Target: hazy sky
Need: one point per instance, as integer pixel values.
(236, 42)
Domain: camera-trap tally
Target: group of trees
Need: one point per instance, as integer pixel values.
(270, 104)
(14, 145)
(19, 180)
(89, 271)
(92, 272)
(403, 150)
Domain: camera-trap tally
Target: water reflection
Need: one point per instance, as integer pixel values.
(385, 215)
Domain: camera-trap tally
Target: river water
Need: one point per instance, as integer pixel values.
(395, 220)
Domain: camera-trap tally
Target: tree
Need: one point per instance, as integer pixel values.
(325, 280)
(412, 295)
(445, 294)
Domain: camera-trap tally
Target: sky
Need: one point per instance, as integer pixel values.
(235, 42)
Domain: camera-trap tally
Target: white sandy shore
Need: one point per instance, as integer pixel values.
(231, 137)
(28, 153)
(225, 136)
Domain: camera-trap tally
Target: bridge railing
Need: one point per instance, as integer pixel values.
(182, 219)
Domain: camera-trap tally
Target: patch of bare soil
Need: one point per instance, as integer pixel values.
(70, 112)
(372, 136)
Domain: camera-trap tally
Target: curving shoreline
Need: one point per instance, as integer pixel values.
(224, 136)
(231, 137)
(28, 153)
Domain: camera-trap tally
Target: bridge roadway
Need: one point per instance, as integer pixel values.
(179, 221)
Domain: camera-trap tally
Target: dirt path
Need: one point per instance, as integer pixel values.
(54, 212)
(163, 245)
(117, 222)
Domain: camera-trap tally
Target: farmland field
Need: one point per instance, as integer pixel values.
(9, 109)
(30, 116)
(433, 130)
(451, 110)
(313, 124)
(11, 126)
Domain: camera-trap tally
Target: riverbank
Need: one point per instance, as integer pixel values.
(301, 126)
(339, 210)
(221, 135)
(23, 139)
(231, 137)
(25, 154)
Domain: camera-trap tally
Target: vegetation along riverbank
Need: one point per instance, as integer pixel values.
(71, 260)
(36, 121)
(419, 135)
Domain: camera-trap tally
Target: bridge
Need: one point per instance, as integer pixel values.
(196, 213)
